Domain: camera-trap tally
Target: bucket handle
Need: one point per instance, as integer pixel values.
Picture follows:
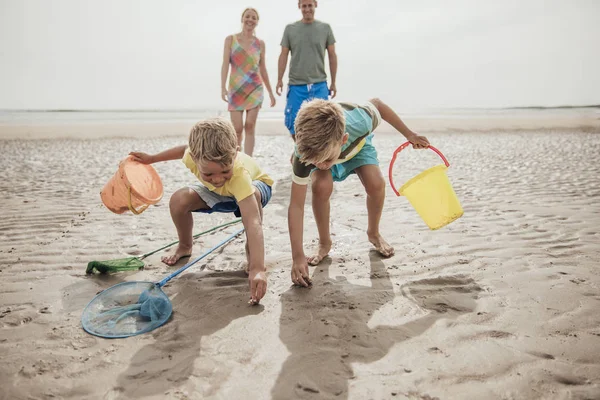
(398, 150)
(131, 207)
(128, 186)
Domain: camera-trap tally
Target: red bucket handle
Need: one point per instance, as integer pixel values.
(398, 150)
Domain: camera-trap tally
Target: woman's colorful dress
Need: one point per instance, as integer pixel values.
(245, 82)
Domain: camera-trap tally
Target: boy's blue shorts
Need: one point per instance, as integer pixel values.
(366, 156)
(298, 94)
(226, 204)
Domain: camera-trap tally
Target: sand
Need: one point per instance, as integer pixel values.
(44, 126)
(501, 304)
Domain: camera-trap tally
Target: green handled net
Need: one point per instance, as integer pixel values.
(131, 308)
(135, 262)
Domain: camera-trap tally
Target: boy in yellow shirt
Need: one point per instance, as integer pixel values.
(230, 182)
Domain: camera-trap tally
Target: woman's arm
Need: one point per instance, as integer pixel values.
(263, 72)
(225, 67)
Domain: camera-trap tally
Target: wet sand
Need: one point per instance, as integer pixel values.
(500, 304)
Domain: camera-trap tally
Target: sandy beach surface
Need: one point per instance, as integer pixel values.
(501, 304)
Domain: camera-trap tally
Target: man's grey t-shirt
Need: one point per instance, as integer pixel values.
(308, 43)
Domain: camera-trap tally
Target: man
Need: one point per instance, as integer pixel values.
(307, 40)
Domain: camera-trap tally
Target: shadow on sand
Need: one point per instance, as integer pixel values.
(202, 305)
(326, 328)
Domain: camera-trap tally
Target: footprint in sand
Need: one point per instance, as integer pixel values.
(494, 335)
(20, 315)
(443, 295)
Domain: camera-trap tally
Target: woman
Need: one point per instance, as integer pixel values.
(246, 54)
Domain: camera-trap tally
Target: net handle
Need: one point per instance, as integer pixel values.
(186, 266)
(398, 150)
(196, 236)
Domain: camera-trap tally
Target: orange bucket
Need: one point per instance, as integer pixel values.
(134, 187)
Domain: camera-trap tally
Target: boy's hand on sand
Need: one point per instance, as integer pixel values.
(418, 142)
(258, 285)
(300, 274)
(141, 157)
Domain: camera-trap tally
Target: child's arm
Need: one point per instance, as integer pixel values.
(256, 246)
(300, 275)
(176, 153)
(388, 115)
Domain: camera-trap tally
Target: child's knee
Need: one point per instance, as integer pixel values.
(322, 187)
(258, 197)
(181, 200)
(375, 186)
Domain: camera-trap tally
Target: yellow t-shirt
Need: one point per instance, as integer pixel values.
(239, 186)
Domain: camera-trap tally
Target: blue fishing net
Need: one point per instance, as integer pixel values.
(132, 308)
(127, 309)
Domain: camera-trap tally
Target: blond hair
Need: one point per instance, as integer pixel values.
(320, 126)
(213, 139)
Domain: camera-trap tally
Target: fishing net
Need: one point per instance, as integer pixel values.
(117, 265)
(132, 308)
(127, 309)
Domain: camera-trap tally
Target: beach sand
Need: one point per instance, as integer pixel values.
(501, 304)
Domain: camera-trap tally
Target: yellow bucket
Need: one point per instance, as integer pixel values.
(430, 193)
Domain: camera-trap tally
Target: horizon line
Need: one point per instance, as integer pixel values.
(149, 110)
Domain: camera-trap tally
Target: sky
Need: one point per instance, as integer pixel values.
(417, 55)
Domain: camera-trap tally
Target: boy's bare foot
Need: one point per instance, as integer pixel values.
(180, 252)
(321, 254)
(381, 245)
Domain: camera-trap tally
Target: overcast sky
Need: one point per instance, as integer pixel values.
(147, 54)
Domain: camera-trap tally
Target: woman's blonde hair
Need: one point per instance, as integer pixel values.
(320, 126)
(213, 139)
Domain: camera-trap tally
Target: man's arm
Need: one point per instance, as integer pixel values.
(300, 273)
(281, 65)
(256, 246)
(333, 64)
(175, 153)
(390, 116)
